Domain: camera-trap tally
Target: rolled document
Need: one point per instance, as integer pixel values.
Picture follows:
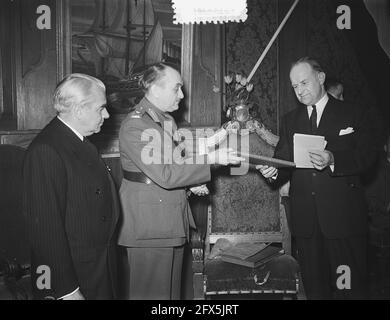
(267, 161)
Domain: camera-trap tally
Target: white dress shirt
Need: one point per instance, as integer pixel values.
(320, 106)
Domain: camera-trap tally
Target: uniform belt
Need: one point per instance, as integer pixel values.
(136, 177)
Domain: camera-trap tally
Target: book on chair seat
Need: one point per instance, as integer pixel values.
(262, 256)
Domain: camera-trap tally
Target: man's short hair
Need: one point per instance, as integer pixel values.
(312, 62)
(75, 89)
(151, 75)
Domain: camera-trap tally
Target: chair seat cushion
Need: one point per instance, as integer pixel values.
(280, 275)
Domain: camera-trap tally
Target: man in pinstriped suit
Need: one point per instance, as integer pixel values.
(69, 199)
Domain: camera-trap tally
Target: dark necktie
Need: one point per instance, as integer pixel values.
(313, 120)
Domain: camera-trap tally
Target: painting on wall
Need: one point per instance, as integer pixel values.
(115, 40)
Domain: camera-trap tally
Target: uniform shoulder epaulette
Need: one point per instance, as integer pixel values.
(137, 114)
(153, 115)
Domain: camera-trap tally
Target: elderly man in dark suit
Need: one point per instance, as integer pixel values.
(70, 201)
(328, 211)
(156, 212)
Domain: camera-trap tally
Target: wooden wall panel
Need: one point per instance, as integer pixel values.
(7, 63)
(36, 68)
(18, 138)
(207, 70)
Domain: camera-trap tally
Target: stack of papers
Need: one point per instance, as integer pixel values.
(251, 255)
(244, 250)
(303, 143)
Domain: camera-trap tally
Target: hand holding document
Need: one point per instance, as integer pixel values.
(321, 159)
(303, 143)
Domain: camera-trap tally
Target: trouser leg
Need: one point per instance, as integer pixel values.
(155, 273)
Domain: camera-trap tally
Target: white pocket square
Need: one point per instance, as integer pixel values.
(343, 132)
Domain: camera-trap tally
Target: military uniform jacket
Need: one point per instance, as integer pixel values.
(158, 214)
(335, 198)
(71, 209)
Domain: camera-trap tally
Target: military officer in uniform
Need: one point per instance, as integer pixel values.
(156, 214)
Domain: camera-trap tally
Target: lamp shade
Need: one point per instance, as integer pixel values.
(206, 11)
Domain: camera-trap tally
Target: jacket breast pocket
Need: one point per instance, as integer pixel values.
(342, 142)
(160, 216)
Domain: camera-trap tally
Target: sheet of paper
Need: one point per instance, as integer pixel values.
(302, 144)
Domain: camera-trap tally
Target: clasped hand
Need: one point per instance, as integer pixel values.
(200, 190)
(267, 172)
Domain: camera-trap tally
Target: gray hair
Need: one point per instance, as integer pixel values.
(312, 62)
(152, 75)
(75, 89)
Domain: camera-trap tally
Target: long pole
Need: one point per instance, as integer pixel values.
(128, 35)
(272, 40)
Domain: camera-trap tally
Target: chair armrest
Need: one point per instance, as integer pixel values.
(197, 246)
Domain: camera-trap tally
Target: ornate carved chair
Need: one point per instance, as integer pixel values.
(242, 209)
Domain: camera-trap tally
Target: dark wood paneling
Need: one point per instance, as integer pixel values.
(205, 104)
(18, 138)
(7, 62)
(36, 66)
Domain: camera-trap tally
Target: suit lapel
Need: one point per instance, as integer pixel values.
(302, 122)
(71, 141)
(328, 119)
(79, 149)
